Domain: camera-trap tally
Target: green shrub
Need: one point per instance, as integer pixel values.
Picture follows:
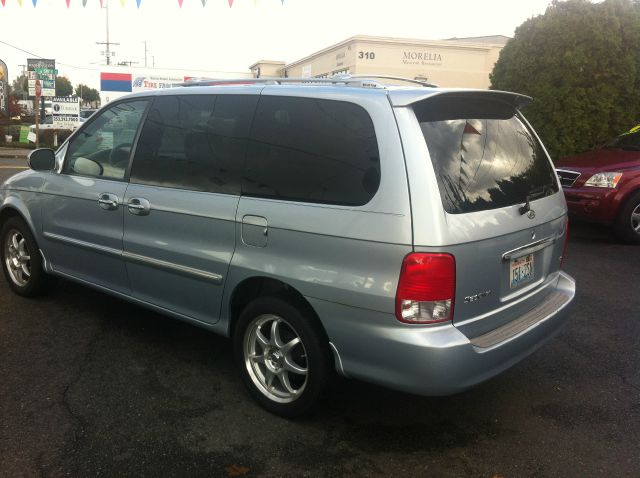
(581, 63)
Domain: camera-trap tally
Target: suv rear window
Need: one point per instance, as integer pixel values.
(484, 155)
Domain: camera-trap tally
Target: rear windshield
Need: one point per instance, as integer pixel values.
(484, 156)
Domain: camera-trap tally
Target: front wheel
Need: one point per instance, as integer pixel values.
(627, 226)
(282, 357)
(21, 260)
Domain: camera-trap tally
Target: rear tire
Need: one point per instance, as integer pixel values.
(627, 226)
(281, 356)
(21, 260)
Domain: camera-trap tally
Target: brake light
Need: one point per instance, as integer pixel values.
(426, 288)
(566, 242)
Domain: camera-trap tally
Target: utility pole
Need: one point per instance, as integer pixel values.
(107, 52)
(145, 53)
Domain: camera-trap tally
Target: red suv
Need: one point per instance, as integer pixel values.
(604, 185)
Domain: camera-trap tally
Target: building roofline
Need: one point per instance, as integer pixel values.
(267, 62)
(407, 41)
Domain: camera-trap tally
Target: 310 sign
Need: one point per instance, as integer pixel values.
(367, 55)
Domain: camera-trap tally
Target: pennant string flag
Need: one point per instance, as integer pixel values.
(122, 3)
(204, 3)
(180, 3)
(3, 2)
(34, 3)
(230, 3)
(138, 3)
(84, 3)
(68, 2)
(20, 2)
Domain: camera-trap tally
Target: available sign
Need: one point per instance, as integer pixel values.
(66, 112)
(45, 71)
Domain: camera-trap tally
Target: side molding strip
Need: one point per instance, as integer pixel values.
(184, 270)
(137, 258)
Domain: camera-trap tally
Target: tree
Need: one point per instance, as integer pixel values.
(63, 86)
(581, 63)
(20, 87)
(87, 94)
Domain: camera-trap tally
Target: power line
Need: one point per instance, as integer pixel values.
(38, 56)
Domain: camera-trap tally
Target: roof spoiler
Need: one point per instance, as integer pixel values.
(409, 97)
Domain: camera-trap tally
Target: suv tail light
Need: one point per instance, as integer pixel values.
(566, 243)
(426, 288)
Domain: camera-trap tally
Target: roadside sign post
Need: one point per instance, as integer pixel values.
(38, 91)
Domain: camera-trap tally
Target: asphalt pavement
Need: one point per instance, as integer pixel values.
(94, 386)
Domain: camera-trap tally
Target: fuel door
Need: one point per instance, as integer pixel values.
(255, 231)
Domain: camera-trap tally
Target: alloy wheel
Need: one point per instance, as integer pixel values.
(635, 219)
(17, 258)
(275, 358)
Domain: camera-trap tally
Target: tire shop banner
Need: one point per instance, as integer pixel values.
(144, 83)
(66, 111)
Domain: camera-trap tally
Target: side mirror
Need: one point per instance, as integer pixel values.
(42, 159)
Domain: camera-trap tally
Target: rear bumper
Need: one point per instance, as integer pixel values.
(441, 360)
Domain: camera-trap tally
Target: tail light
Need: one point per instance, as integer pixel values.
(566, 243)
(426, 288)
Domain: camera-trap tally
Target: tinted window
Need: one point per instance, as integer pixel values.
(104, 146)
(312, 150)
(484, 156)
(195, 142)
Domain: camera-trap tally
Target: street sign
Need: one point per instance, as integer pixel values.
(45, 71)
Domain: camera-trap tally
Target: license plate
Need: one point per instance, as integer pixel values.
(521, 270)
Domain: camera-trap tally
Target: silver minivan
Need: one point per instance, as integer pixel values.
(408, 236)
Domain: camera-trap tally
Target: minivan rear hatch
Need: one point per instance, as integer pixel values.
(499, 210)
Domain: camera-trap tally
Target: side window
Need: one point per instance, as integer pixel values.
(312, 150)
(102, 149)
(194, 142)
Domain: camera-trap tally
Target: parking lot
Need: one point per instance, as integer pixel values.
(94, 386)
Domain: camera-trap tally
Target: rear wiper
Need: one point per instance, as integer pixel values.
(534, 194)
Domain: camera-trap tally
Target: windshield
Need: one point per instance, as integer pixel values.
(484, 157)
(627, 141)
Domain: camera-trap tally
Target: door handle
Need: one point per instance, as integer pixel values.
(139, 206)
(108, 201)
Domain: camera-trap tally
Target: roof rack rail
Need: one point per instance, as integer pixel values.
(399, 78)
(367, 81)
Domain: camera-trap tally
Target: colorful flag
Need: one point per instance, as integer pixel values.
(468, 129)
(122, 3)
(138, 3)
(84, 3)
(34, 3)
(204, 2)
(3, 2)
(180, 3)
(230, 3)
(20, 2)
(68, 2)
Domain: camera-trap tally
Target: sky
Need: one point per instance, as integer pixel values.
(216, 37)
